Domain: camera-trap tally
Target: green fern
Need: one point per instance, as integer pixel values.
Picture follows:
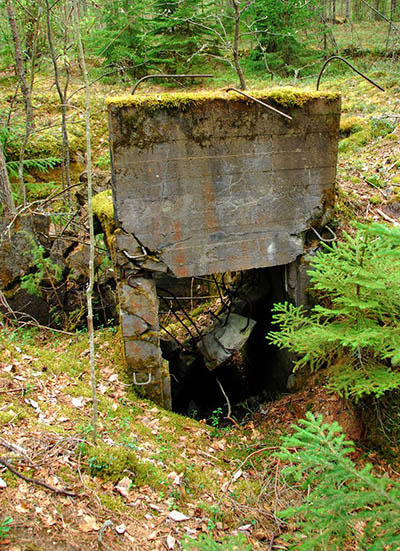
(37, 164)
(358, 334)
(344, 504)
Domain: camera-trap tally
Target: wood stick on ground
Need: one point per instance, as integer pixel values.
(228, 416)
(34, 481)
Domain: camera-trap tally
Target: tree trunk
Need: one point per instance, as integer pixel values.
(62, 94)
(26, 93)
(393, 9)
(89, 291)
(236, 41)
(6, 198)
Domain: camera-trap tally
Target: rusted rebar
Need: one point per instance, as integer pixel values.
(147, 77)
(351, 67)
(260, 102)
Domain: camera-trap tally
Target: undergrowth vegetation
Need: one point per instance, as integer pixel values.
(356, 333)
(345, 504)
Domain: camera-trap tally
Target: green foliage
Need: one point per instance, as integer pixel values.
(36, 164)
(344, 504)
(5, 526)
(358, 333)
(277, 28)
(206, 542)
(46, 270)
(118, 33)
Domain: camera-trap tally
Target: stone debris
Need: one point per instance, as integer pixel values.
(223, 340)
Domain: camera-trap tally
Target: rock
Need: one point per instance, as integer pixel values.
(17, 246)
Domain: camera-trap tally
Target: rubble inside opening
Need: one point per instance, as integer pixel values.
(252, 373)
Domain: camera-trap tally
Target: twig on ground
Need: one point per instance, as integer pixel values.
(261, 450)
(386, 217)
(271, 543)
(34, 481)
(228, 416)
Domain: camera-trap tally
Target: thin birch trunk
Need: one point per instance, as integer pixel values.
(62, 94)
(6, 198)
(89, 293)
(236, 40)
(26, 93)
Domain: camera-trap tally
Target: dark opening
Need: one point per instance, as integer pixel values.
(256, 373)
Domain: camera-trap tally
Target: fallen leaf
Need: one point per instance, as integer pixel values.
(49, 520)
(78, 402)
(245, 527)
(89, 524)
(124, 486)
(237, 475)
(32, 403)
(22, 507)
(177, 516)
(3, 483)
(170, 541)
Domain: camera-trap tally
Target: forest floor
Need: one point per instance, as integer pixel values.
(154, 477)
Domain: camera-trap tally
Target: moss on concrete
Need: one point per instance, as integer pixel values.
(285, 97)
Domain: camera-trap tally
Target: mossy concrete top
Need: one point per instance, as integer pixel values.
(213, 182)
(280, 96)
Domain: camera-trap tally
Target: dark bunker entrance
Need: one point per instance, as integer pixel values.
(229, 365)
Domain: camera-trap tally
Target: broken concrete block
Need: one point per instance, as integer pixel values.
(220, 344)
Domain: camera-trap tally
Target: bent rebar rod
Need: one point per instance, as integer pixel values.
(167, 76)
(351, 66)
(260, 102)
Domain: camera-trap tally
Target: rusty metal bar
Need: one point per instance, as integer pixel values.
(351, 67)
(260, 102)
(147, 77)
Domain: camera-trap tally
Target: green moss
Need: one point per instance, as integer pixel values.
(286, 97)
(395, 180)
(111, 462)
(103, 209)
(350, 125)
(375, 200)
(103, 206)
(113, 503)
(374, 129)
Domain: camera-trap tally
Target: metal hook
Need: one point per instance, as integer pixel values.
(135, 381)
(323, 238)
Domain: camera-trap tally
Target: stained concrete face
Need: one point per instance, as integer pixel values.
(223, 185)
(208, 184)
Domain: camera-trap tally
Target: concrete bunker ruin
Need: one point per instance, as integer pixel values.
(207, 183)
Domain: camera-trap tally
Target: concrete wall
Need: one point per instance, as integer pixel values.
(213, 183)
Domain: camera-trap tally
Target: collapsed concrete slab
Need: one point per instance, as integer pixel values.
(214, 182)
